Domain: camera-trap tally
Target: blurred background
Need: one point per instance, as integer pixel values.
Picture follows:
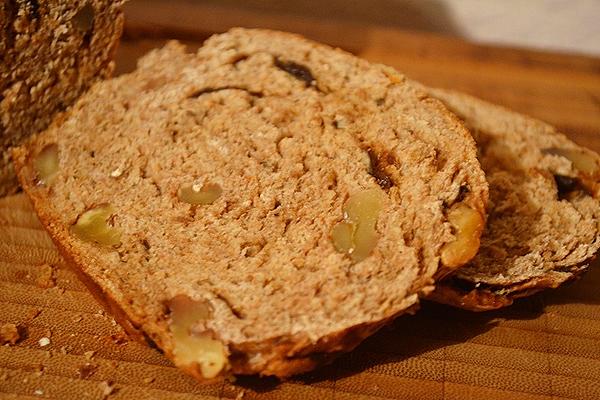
(540, 57)
(558, 25)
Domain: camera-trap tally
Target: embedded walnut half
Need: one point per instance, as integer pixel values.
(586, 166)
(356, 235)
(46, 164)
(94, 226)
(191, 347)
(468, 225)
(581, 160)
(196, 195)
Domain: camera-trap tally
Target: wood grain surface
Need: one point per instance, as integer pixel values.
(543, 347)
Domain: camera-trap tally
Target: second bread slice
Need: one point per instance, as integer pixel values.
(544, 222)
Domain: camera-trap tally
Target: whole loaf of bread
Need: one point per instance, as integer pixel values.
(50, 52)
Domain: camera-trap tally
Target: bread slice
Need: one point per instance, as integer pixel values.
(543, 225)
(50, 52)
(260, 206)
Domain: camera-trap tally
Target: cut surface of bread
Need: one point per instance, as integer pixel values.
(543, 226)
(259, 206)
(50, 52)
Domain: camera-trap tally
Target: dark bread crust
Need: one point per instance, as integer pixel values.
(292, 355)
(487, 300)
(473, 297)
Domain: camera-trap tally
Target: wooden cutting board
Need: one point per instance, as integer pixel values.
(543, 347)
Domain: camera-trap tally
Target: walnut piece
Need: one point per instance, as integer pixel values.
(193, 345)
(94, 226)
(468, 225)
(581, 160)
(194, 194)
(9, 334)
(46, 164)
(393, 75)
(356, 235)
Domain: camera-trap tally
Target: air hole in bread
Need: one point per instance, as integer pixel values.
(83, 20)
(207, 90)
(147, 247)
(462, 192)
(378, 164)
(565, 186)
(12, 10)
(286, 226)
(33, 7)
(341, 121)
(333, 184)
(252, 249)
(276, 205)
(238, 58)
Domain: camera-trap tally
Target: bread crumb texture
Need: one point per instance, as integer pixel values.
(235, 165)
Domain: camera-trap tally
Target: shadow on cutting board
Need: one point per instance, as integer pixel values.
(424, 335)
(436, 328)
(581, 291)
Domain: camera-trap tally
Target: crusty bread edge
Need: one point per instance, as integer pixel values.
(487, 300)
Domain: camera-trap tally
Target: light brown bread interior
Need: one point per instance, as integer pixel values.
(543, 227)
(50, 52)
(289, 131)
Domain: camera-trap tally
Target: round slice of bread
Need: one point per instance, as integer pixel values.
(543, 225)
(260, 206)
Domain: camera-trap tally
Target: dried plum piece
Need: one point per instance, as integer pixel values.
(298, 71)
(377, 170)
(565, 185)
(462, 193)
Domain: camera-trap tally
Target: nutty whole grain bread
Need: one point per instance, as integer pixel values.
(260, 206)
(543, 227)
(50, 52)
